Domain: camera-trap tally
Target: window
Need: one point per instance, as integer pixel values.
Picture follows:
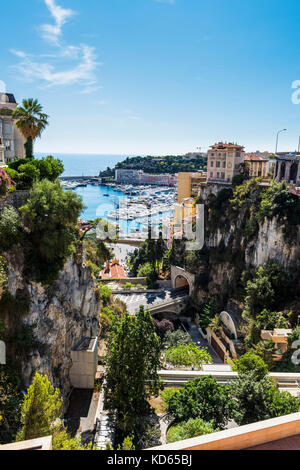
(211, 174)
(223, 176)
(7, 128)
(218, 164)
(8, 144)
(236, 166)
(212, 164)
(218, 175)
(224, 164)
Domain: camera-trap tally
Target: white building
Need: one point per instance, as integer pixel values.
(11, 140)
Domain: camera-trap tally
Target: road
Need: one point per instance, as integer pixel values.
(122, 252)
(287, 382)
(134, 301)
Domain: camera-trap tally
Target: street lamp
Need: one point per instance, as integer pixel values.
(282, 130)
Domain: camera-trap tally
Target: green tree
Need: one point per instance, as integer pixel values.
(189, 429)
(27, 176)
(49, 168)
(266, 350)
(40, 410)
(203, 398)
(258, 399)
(31, 121)
(10, 405)
(133, 360)
(187, 355)
(50, 220)
(10, 228)
(266, 290)
(251, 362)
(176, 338)
(62, 441)
(209, 311)
(279, 202)
(127, 444)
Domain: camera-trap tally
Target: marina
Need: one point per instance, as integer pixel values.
(132, 208)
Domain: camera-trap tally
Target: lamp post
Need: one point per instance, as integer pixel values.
(282, 130)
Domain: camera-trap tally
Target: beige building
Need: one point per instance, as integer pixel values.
(256, 165)
(189, 185)
(224, 162)
(11, 140)
(280, 339)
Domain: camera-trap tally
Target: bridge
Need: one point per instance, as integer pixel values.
(287, 382)
(172, 301)
(168, 301)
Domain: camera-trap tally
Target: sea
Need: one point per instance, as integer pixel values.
(99, 201)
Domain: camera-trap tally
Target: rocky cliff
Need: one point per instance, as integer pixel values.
(233, 246)
(60, 314)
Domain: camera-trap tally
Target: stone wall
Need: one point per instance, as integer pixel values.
(16, 200)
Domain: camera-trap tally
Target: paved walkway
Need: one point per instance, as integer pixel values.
(81, 413)
(200, 341)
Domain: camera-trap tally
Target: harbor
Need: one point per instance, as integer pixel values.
(132, 208)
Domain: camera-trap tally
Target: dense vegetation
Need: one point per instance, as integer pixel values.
(188, 429)
(187, 355)
(133, 360)
(50, 229)
(147, 260)
(25, 172)
(158, 165)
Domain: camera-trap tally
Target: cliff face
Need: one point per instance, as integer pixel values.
(272, 244)
(229, 251)
(62, 314)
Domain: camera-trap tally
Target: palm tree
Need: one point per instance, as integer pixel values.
(31, 121)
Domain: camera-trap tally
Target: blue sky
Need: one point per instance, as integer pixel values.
(155, 76)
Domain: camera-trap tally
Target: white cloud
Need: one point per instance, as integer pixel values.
(68, 65)
(83, 72)
(60, 15)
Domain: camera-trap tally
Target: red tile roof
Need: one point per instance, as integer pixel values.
(113, 271)
(254, 158)
(223, 146)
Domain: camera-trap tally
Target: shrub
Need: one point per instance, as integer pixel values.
(50, 218)
(10, 226)
(203, 398)
(10, 405)
(163, 327)
(6, 183)
(278, 201)
(28, 174)
(49, 168)
(27, 171)
(105, 294)
(189, 429)
(251, 362)
(40, 410)
(3, 274)
(267, 289)
(176, 338)
(209, 311)
(187, 355)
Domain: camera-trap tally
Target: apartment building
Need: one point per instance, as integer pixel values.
(257, 166)
(11, 140)
(224, 162)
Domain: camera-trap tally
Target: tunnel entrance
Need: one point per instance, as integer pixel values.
(182, 285)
